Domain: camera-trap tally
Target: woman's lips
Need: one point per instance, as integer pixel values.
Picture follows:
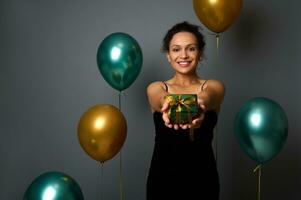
(184, 63)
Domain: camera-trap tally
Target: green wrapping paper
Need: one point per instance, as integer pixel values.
(183, 108)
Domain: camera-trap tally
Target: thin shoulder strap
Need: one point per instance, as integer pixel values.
(202, 87)
(166, 87)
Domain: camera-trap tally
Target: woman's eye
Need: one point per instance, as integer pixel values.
(192, 49)
(175, 50)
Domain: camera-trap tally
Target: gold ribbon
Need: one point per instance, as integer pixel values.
(178, 101)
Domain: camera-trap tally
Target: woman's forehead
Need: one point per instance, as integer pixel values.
(183, 38)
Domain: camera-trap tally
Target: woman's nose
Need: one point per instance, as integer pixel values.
(184, 54)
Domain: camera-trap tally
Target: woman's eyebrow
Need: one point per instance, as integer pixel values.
(178, 45)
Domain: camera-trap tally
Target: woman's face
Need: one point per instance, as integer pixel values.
(183, 52)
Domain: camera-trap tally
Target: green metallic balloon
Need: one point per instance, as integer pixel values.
(119, 59)
(261, 128)
(53, 186)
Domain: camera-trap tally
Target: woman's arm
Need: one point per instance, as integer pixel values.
(210, 98)
(156, 93)
(212, 95)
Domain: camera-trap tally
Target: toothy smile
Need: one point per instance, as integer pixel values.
(184, 63)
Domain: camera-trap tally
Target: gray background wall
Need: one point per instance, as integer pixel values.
(49, 77)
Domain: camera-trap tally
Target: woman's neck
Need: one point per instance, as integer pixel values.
(185, 80)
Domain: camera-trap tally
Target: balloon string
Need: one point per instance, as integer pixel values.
(119, 100)
(217, 36)
(101, 180)
(120, 157)
(258, 168)
(120, 177)
(120, 94)
(217, 43)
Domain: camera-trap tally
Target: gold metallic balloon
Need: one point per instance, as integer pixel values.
(102, 131)
(217, 15)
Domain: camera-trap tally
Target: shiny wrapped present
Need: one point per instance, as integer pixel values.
(183, 108)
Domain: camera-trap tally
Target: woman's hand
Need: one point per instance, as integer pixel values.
(165, 117)
(197, 122)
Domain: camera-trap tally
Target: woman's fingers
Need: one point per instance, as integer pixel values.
(176, 126)
(165, 117)
(196, 122)
(168, 125)
(184, 126)
(203, 107)
(201, 104)
(165, 106)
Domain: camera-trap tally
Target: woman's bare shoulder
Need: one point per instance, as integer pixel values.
(155, 87)
(217, 84)
(156, 84)
(155, 93)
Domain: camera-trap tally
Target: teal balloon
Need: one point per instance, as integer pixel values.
(53, 186)
(261, 128)
(119, 59)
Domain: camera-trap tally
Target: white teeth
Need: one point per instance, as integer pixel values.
(184, 63)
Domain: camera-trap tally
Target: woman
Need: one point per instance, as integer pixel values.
(181, 168)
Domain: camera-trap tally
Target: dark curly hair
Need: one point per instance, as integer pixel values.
(183, 27)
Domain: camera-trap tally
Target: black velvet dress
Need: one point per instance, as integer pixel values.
(181, 168)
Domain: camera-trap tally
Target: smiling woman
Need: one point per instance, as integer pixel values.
(182, 168)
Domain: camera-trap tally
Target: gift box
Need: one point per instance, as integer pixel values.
(183, 108)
